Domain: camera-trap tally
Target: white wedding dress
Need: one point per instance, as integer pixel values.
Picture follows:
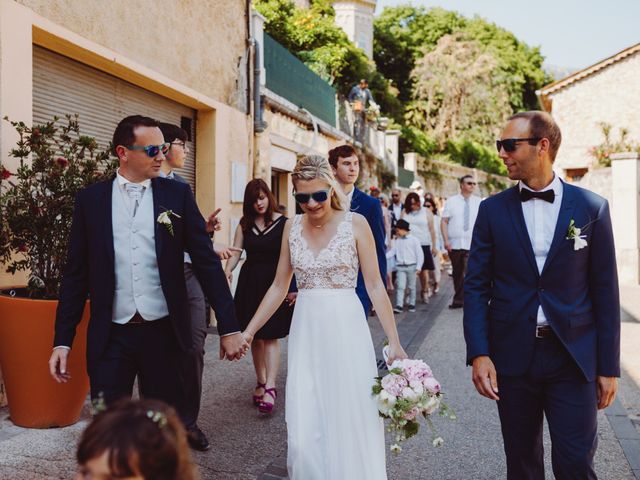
(334, 431)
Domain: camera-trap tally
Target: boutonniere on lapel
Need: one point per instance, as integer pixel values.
(165, 219)
(574, 233)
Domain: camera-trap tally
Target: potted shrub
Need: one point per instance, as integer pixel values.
(36, 208)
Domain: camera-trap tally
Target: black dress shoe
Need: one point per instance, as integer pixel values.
(456, 305)
(198, 440)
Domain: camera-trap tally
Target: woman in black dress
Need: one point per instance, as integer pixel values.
(260, 235)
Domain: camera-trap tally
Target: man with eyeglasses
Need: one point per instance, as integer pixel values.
(541, 306)
(396, 206)
(458, 216)
(126, 253)
(192, 366)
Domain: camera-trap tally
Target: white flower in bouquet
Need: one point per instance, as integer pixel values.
(395, 448)
(432, 405)
(409, 393)
(386, 402)
(417, 387)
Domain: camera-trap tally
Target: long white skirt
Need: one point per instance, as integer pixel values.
(334, 431)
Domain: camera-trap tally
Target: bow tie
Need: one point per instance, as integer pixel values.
(547, 195)
(134, 190)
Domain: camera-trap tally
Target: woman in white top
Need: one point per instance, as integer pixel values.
(438, 247)
(422, 227)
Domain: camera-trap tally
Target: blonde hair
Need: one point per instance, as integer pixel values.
(311, 167)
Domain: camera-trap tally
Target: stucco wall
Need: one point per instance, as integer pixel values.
(195, 42)
(611, 95)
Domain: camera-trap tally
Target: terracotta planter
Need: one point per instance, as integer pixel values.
(26, 339)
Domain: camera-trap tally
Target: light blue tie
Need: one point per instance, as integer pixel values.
(135, 192)
(467, 214)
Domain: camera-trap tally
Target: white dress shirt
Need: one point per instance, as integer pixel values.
(408, 251)
(121, 181)
(397, 210)
(460, 238)
(350, 196)
(541, 218)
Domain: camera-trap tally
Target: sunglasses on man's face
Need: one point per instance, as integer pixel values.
(510, 144)
(470, 183)
(319, 196)
(152, 151)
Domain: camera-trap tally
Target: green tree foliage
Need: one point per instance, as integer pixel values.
(458, 79)
(313, 36)
(458, 92)
(404, 34)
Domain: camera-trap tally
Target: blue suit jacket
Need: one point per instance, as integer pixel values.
(90, 268)
(371, 209)
(578, 289)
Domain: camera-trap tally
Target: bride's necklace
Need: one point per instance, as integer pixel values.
(321, 225)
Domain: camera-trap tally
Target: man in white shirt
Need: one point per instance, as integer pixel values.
(542, 309)
(396, 207)
(458, 217)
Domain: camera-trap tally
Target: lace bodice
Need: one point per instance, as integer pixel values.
(336, 265)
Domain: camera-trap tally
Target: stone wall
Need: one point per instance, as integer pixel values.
(445, 182)
(610, 95)
(599, 181)
(197, 43)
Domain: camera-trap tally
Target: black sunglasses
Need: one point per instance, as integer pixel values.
(510, 144)
(319, 196)
(152, 150)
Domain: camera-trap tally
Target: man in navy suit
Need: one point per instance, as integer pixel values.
(131, 264)
(346, 168)
(541, 306)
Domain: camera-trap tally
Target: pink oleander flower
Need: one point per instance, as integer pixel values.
(394, 384)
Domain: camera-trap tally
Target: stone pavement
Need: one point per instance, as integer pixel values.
(247, 445)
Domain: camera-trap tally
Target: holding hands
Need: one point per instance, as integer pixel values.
(233, 347)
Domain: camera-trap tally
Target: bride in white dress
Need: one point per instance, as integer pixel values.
(334, 431)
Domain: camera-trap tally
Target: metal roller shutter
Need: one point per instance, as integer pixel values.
(62, 85)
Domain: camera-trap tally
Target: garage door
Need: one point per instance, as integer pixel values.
(62, 85)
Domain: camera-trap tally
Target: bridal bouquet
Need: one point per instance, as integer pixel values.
(407, 392)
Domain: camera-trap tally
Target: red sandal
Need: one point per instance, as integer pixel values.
(257, 399)
(267, 407)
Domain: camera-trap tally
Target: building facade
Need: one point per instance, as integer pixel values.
(105, 61)
(606, 92)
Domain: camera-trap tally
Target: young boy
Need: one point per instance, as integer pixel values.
(409, 259)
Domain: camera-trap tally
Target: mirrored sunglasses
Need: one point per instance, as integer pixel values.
(319, 196)
(152, 150)
(510, 144)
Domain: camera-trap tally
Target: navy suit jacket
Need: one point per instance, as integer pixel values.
(90, 268)
(578, 289)
(371, 209)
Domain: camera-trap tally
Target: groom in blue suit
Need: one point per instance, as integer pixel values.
(346, 168)
(541, 306)
(126, 253)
